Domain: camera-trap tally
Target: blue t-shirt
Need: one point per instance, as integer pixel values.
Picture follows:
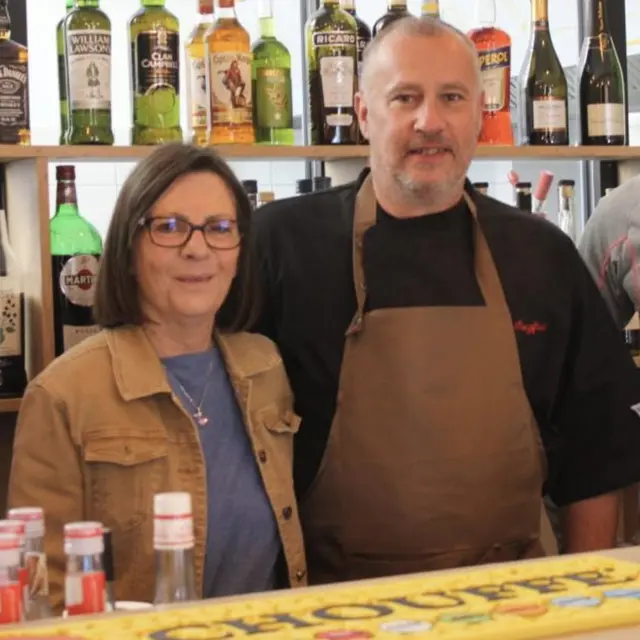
(243, 543)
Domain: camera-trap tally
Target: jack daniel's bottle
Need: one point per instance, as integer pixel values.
(76, 248)
(332, 54)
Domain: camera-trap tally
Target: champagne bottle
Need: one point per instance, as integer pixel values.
(544, 86)
(602, 86)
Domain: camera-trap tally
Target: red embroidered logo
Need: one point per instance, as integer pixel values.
(530, 328)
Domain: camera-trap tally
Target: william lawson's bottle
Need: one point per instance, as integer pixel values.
(76, 248)
(602, 86)
(332, 55)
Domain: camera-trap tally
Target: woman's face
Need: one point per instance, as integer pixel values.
(190, 282)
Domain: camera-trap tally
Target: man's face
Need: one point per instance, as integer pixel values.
(421, 111)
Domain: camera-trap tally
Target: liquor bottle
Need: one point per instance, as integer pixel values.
(76, 248)
(304, 185)
(481, 187)
(363, 37)
(155, 74)
(229, 79)
(271, 83)
(12, 610)
(251, 189)
(602, 86)
(430, 9)
(494, 54)
(62, 74)
(87, 55)
(544, 85)
(197, 96)
(14, 76)
(13, 377)
(523, 196)
(566, 208)
(396, 9)
(173, 542)
(332, 55)
(320, 183)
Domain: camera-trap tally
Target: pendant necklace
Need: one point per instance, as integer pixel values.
(198, 416)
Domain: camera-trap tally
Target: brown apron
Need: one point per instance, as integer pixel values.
(434, 458)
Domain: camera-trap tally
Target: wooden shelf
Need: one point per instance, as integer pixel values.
(10, 153)
(9, 405)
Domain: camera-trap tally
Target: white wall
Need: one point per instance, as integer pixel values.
(98, 183)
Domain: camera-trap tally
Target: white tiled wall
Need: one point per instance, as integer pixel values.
(98, 183)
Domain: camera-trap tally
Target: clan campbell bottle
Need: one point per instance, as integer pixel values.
(602, 86)
(196, 56)
(14, 81)
(76, 248)
(332, 61)
(87, 40)
(229, 79)
(544, 85)
(62, 74)
(396, 9)
(155, 74)
(271, 80)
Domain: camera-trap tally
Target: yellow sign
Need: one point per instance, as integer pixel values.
(521, 602)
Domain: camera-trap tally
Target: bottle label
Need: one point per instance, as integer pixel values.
(198, 99)
(84, 593)
(10, 324)
(14, 92)
(273, 98)
(334, 39)
(605, 120)
(231, 88)
(337, 76)
(10, 603)
(173, 532)
(495, 70)
(89, 65)
(78, 279)
(549, 114)
(361, 43)
(156, 66)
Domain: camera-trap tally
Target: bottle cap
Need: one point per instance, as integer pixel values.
(65, 172)
(205, 7)
(304, 186)
(33, 517)
(83, 538)
(250, 186)
(172, 521)
(14, 527)
(9, 550)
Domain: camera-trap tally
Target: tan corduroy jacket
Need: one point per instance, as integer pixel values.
(100, 432)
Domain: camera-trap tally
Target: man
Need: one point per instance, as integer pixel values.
(449, 355)
(610, 245)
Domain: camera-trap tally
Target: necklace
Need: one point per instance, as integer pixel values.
(198, 416)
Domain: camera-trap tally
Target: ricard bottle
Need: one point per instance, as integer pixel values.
(76, 247)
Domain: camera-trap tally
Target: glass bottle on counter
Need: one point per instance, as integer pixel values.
(76, 247)
(62, 74)
(87, 40)
(196, 55)
(154, 33)
(524, 200)
(304, 185)
(229, 79)
(251, 189)
(396, 9)
(14, 74)
(11, 607)
(544, 91)
(602, 85)
(566, 208)
(332, 61)
(271, 83)
(13, 375)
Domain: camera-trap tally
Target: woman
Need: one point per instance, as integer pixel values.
(171, 395)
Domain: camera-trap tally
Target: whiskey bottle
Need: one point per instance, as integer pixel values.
(271, 80)
(196, 55)
(229, 79)
(430, 9)
(87, 44)
(396, 9)
(14, 78)
(332, 59)
(155, 74)
(62, 74)
(76, 248)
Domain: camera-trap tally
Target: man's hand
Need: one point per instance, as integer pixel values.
(591, 525)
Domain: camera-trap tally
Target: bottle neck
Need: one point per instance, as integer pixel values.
(5, 21)
(397, 5)
(152, 3)
(540, 14)
(565, 197)
(67, 198)
(227, 9)
(88, 4)
(486, 13)
(267, 23)
(430, 9)
(331, 4)
(598, 23)
(205, 9)
(349, 6)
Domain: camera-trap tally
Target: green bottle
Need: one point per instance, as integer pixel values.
(76, 247)
(155, 74)
(87, 39)
(62, 74)
(271, 76)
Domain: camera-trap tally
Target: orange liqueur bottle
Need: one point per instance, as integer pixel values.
(494, 54)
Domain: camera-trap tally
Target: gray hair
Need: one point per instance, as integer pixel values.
(412, 26)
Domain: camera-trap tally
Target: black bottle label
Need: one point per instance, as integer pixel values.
(14, 95)
(156, 61)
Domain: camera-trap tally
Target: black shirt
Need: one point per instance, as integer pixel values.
(578, 375)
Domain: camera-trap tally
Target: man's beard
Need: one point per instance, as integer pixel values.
(421, 190)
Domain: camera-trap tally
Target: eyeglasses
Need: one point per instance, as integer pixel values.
(175, 231)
